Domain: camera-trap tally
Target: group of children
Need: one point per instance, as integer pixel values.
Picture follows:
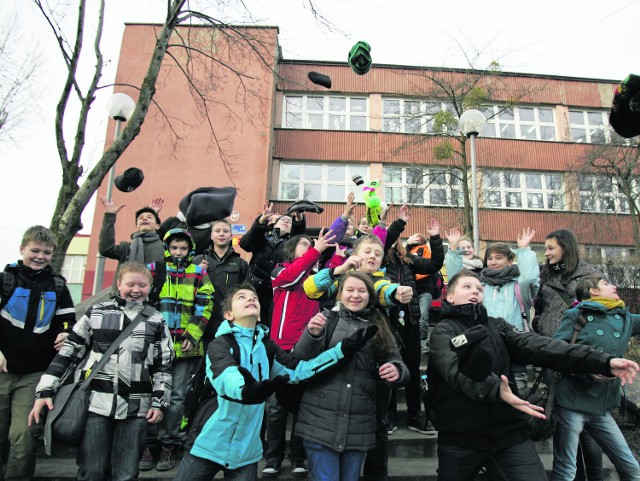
(347, 327)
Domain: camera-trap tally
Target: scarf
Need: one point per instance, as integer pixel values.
(473, 264)
(138, 240)
(608, 302)
(559, 267)
(499, 277)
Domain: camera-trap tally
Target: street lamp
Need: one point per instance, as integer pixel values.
(120, 107)
(472, 124)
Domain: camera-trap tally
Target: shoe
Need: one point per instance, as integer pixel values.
(270, 471)
(417, 423)
(430, 429)
(299, 470)
(391, 428)
(146, 461)
(167, 459)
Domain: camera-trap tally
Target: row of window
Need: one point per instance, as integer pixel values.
(441, 187)
(411, 116)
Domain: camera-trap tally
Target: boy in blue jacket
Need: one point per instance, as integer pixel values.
(230, 438)
(583, 401)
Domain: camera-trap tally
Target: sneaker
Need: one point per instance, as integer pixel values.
(430, 429)
(146, 461)
(270, 471)
(167, 459)
(391, 428)
(417, 423)
(299, 470)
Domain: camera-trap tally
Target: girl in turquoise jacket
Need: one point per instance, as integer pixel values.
(583, 401)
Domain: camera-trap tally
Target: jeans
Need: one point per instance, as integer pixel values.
(110, 448)
(276, 435)
(183, 369)
(17, 393)
(604, 430)
(328, 465)
(193, 468)
(514, 463)
(424, 300)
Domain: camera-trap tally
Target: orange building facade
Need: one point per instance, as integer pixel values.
(279, 137)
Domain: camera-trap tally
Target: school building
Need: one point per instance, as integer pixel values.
(279, 137)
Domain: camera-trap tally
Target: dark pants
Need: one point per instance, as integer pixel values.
(193, 468)
(277, 417)
(514, 463)
(376, 462)
(411, 354)
(111, 448)
(589, 459)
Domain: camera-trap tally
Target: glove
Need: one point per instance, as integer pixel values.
(473, 359)
(255, 392)
(357, 340)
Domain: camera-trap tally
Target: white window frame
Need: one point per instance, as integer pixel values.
(323, 183)
(409, 112)
(401, 188)
(320, 107)
(509, 196)
(592, 191)
(73, 268)
(500, 118)
(594, 133)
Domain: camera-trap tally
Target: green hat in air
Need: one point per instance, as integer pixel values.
(360, 58)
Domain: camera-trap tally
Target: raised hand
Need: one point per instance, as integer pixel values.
(433, 227)
(157, 204)
(267, 212)
(385, 211)
(453, 236)
(109, 206)
(404, 213)
(324, 240)
(526, 237)
(403, 294)
(316, 324)
(351, 205)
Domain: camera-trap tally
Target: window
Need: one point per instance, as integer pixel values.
(411, 116)
(522, 190)
(319, 182)
(73, 268)
(417, 185)
(591, 127)
(325, 112)
(531, 123)
(600, 193)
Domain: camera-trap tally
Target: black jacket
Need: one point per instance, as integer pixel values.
(469, 413)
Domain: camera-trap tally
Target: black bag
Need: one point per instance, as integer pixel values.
(543, 396)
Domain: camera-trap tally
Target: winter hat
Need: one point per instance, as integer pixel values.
(207, 204)
(320, 79)
(304, 206)
(360, 58)
(130, 180)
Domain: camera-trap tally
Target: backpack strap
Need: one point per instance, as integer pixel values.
(577, 327)
(523, 311)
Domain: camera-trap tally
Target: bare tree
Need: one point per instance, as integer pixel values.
(190, 47)
(16, 72)
(448, 94)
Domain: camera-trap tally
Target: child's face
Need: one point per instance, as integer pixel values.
(497, 260)
(364, 227)
(134, 286)
(179, 248)
(36, 256)
(350, 228)
(468, 290)
(301, 247)
(354, 295)
(221, 234)
(284, 224)
(146, 222)
(370, 255)
(605, 290)
(553, 251)
(244, 305)
(467, 249)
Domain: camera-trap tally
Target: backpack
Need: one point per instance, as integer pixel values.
(9, 286)
(438, 283)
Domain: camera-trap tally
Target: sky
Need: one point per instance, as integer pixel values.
(588, 39)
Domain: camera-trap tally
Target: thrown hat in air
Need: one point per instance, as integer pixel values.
(130, 180)
(320, 79)
(206, 204)
(360, 57)
(304, 206)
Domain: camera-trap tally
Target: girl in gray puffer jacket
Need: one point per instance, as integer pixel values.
(336, 417)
